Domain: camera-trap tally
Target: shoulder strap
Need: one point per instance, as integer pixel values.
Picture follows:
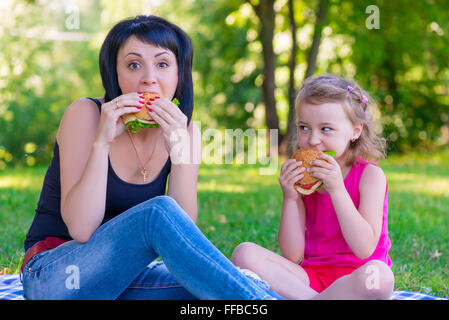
(97, 102)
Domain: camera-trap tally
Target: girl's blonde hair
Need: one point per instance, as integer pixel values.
(325, 88)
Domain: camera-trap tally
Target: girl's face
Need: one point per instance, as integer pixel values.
(325, 127)
(143, 67)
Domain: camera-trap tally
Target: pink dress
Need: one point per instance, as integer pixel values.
(324, 242)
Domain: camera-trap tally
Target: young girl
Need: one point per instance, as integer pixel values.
(339, 233)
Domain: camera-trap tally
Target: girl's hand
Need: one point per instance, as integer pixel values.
(174, 127)
(111, 124)
(290, 174)
(329, 172)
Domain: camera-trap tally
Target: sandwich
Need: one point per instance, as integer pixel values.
(143, 118)
(308, 184)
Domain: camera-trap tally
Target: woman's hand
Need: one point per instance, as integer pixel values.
(291, 172)
(174, 127)
(111, 124)
(329, 172)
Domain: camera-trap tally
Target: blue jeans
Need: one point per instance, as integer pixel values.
(116, 262)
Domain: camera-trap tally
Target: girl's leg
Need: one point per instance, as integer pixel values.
(373, 280)
(122, 248)
(284, 277)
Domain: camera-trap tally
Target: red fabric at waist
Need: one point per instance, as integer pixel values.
(41, 246)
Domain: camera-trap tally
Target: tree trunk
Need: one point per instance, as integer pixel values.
(265, 12)
(311, 66)
(291, 125)
(319, 23)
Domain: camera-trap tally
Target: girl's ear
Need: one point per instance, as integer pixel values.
(358, 128)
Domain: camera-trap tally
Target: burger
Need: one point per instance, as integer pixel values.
(308, 184)
(143, 118)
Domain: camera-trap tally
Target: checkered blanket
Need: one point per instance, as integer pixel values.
(11, 289)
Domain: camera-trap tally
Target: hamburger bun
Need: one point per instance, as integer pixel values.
(308, 184)
(143, 116)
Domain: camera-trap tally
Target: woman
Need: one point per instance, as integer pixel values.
(102, 218)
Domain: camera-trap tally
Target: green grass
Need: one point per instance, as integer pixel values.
(237, 204)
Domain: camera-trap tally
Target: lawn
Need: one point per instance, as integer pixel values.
(237, 204)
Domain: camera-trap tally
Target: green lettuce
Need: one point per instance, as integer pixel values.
(135, 125)
(332, 153)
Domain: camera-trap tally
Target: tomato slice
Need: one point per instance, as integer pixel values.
(307, 186)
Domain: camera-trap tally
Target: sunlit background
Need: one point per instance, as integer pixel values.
(49, 57)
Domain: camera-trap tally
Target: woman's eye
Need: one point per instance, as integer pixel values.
(163, 64)
(133, 65)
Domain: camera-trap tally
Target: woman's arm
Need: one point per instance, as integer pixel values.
(183, 181)
(83, 169)
(84, 139)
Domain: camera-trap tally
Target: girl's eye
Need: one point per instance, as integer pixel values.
(326, 129)
(163, 64)
(133, 65)
(303, 128)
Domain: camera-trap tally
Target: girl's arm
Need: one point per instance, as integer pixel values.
(292, 229)
(361, 228)
(292, 224)
(183, 181)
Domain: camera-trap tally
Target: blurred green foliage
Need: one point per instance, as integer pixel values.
(47, 61)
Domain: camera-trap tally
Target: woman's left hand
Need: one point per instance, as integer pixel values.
(329, 171)
(173, 124)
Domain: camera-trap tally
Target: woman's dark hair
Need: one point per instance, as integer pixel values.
(156, 31)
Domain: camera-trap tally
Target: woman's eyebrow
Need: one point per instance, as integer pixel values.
(161, 53)
(137, 54)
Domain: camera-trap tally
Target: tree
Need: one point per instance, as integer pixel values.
(291, 122)
(311, 65)
(265, 11)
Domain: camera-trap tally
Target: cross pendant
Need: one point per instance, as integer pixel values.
(144, 173)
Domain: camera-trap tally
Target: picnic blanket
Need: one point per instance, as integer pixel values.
(11, 289)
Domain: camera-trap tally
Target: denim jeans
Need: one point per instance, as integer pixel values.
(118, 262)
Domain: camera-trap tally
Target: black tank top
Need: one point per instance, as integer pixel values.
(120, 196)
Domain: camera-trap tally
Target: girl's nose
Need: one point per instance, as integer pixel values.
(314, 140)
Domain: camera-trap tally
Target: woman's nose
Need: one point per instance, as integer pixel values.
(149, 76)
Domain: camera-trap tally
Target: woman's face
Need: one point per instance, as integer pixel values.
(143, 67)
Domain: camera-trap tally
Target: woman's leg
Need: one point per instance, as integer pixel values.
(121, 249)
(374, 280)
(284, 277)
(156, 283)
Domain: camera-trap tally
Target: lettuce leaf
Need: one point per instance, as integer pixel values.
(135, 125)
(332, 153)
